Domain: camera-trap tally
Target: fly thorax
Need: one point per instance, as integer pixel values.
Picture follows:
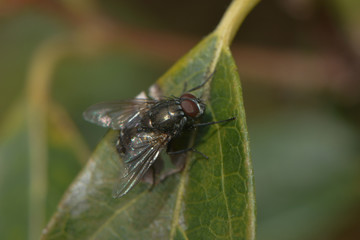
(167, 117)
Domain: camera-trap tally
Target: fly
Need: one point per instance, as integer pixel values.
(146, 127)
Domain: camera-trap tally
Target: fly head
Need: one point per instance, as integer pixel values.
(192, 106)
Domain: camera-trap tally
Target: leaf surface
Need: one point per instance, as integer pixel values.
(209, 199)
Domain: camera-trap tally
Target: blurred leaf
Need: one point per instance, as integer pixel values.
(14, 175)
(307, 172)
(20, 35)
(210, 199)
(34, 26)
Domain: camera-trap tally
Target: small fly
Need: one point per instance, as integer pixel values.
(146, 127)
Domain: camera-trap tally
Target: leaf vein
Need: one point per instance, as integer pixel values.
(132, 202)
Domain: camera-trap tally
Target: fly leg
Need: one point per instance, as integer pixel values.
(184, 89)
(152, 175)
(181, 166)
(178, 162)
(153, 183)
(171, 172)
(195, 126)
(201, 85)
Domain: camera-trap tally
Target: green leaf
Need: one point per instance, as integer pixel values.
(209, 199)
(14, 169)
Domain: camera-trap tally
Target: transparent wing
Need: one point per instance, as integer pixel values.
(116, 114)
(140, 155)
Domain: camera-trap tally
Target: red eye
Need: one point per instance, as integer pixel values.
(190, 107)
(188, 95)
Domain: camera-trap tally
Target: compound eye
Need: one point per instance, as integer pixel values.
(188, 95)
(190, 107)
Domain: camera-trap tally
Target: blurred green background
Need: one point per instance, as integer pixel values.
(299, 65)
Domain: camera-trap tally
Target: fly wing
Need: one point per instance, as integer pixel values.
(140, 155)
(116, 114)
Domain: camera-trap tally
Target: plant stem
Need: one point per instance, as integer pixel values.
(233, 18)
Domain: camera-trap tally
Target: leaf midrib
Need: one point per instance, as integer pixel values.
(222, 172)
(216, 57)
